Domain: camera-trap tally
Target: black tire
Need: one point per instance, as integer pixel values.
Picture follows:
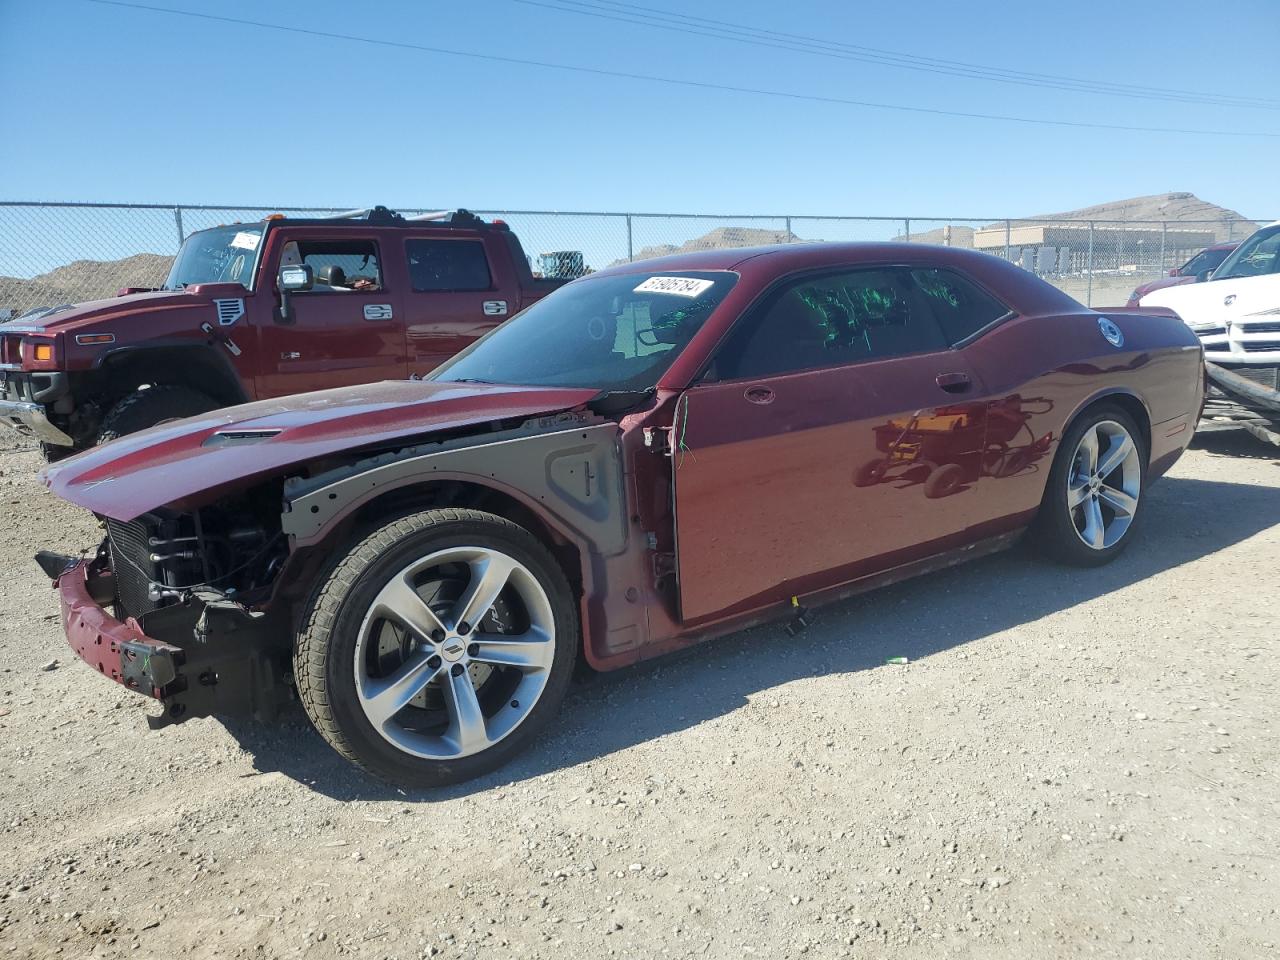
(1054, 530)
(326, 643)
(146, 408)
(944, 481)
(870, 473)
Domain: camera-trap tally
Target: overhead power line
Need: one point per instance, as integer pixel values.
(673, 81)
(688, 24)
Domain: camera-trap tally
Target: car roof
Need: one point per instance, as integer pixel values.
(1020, 289)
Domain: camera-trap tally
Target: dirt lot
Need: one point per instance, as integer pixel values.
(1072, 764)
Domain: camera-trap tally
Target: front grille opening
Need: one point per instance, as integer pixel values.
(234, 548)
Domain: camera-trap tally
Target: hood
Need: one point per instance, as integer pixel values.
(77, 315)
(229, 448)
(1144, 288)
(1216, 301)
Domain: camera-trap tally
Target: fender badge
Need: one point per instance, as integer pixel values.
(1110, 332)
(1229, 299)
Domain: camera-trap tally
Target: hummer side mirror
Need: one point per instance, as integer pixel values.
(297, 278)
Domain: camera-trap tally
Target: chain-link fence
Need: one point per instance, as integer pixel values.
(54, 253)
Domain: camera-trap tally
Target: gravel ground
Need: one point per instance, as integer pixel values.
(1073, 763)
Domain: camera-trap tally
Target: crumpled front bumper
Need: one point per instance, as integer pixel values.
(119, 651)
(216, 659)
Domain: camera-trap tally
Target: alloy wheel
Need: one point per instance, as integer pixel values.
(454, 652)
(1104, 484)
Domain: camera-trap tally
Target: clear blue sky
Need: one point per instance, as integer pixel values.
(113, 104)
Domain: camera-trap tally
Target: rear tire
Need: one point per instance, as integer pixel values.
(1093, 498)
(151, 406)
(438, 683)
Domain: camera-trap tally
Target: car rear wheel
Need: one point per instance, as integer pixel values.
(437, 647)
(151, 406)
(1093, 499)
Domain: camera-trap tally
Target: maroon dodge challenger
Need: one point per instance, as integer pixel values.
(651, 456)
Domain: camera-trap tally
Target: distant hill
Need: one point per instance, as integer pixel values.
(83, 280)
(721, 238)
(1172, 207)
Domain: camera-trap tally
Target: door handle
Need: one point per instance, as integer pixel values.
(954, 382)
(759, 394)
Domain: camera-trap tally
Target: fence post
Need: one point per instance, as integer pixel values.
(177, 220)
(1164, 228)
(906, 232)
(1089, 267)
(1231, 229)
(1008, 229)
(630, 252)
(788, 222)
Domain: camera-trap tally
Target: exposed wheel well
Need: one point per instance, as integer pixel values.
(194, 367)
(474, 496)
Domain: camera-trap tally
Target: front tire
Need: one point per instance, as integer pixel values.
(438, 647)
(1094, 495)
(154, 405)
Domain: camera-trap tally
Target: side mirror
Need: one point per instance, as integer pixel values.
(1204, 275)
(297, 278)
(1175, 271)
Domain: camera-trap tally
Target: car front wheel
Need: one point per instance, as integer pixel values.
(1093, 498)
(437, 647)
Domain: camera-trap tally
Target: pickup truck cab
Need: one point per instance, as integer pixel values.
(379, 297)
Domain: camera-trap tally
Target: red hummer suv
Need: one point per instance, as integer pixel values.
(258, 310)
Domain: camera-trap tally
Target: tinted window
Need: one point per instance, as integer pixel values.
(611, 333)
(1202, 261)
(826, 321)
(338, 266)
(961, 307)
(441, 265)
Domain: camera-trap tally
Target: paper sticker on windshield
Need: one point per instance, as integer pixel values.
(246, 240)
(677, 286)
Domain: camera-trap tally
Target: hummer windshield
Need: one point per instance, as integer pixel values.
(220, 255)
(616, 333)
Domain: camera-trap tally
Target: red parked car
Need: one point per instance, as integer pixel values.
(1195, 270)
(653, 455)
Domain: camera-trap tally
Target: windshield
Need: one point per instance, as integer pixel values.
(220, 255)
(1202, 261)
(1258, 255)
(611, 333)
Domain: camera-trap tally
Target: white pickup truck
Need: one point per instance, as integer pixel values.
(1237, 317)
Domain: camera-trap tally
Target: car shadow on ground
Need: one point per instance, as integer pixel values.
(1235, 443)
(1185, 520)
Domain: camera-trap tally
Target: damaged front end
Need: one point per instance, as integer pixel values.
(174, 607)
(1247, 397)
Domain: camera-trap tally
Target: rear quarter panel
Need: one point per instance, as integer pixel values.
(1064, 360)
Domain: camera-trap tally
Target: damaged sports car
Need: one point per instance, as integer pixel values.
(654, 455)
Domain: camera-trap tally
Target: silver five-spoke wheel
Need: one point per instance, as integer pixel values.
(454, 652)
(1104, 483)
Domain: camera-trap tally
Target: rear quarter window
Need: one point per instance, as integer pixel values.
(960, 306)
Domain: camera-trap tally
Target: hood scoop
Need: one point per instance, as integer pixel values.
(236, 438)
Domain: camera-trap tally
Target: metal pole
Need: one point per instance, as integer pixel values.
(907, 231)
(630, 253)
(1008, 229)
(177, 220)
(1164, 229)
(1089, 267)
(788, 221)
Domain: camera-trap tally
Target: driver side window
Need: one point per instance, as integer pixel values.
(338, 266)
(830, 320)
